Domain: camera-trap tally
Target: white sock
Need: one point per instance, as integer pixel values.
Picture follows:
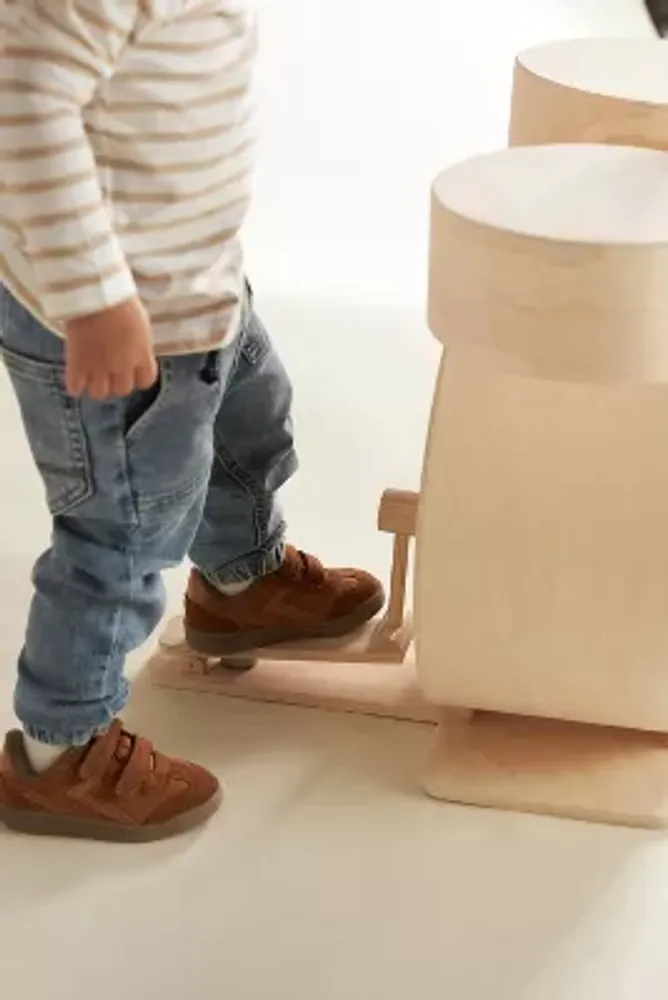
(232, 589)
(41, 755)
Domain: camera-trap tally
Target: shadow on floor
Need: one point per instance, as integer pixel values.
(658, 12)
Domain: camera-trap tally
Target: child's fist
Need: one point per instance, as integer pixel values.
(110, 353)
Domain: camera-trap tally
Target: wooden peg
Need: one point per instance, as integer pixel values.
(397, 512)
(394, 616)
(397, 515)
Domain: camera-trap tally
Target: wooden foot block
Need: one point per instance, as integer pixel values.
(583, 772)
(330, 674)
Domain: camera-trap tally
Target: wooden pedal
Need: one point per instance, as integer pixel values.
(344, 675)
(371, 671)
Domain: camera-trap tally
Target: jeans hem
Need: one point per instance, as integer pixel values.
(74, 738)
(249, 567)
(77, 735)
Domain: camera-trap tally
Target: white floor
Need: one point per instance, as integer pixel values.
(328, 876)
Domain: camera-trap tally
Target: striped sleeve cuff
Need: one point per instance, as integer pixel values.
(85, 283)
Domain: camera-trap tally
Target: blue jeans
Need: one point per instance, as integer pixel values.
(190, 467)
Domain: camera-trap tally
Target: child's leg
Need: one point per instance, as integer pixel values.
(241, 536)
(126, 482)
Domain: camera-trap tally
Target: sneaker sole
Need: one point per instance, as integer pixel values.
(224, 644)
(43, 824)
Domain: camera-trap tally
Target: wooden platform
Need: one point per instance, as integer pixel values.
(375, 675)
(592, 773)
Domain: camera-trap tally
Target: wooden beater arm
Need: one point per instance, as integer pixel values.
(397, 515)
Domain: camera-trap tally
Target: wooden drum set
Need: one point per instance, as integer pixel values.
(541, 579)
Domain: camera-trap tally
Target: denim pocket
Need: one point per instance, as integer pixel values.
(54, 427)
(209, 373)
(140, 405)
(169, 449)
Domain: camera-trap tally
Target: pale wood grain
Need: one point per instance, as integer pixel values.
(551, 262)
(372, 688)
(592, 90)
(552, 768)
(542, 553)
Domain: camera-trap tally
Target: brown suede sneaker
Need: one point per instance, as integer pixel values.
(116, 788)
(302, 600)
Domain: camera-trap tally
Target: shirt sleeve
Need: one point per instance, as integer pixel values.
(54, 55)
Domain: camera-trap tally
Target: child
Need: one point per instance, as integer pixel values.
(126, 147)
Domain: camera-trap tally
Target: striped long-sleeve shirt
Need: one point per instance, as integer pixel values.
(125, 156)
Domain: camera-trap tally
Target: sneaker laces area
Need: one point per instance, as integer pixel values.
(129, 760)
(302, 567)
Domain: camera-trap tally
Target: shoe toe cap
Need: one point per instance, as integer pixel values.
(359, 589)
(191, 787)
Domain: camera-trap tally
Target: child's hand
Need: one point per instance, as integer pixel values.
(110, 353)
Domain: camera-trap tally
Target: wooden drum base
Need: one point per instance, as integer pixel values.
(369, 672)
(578, 771)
